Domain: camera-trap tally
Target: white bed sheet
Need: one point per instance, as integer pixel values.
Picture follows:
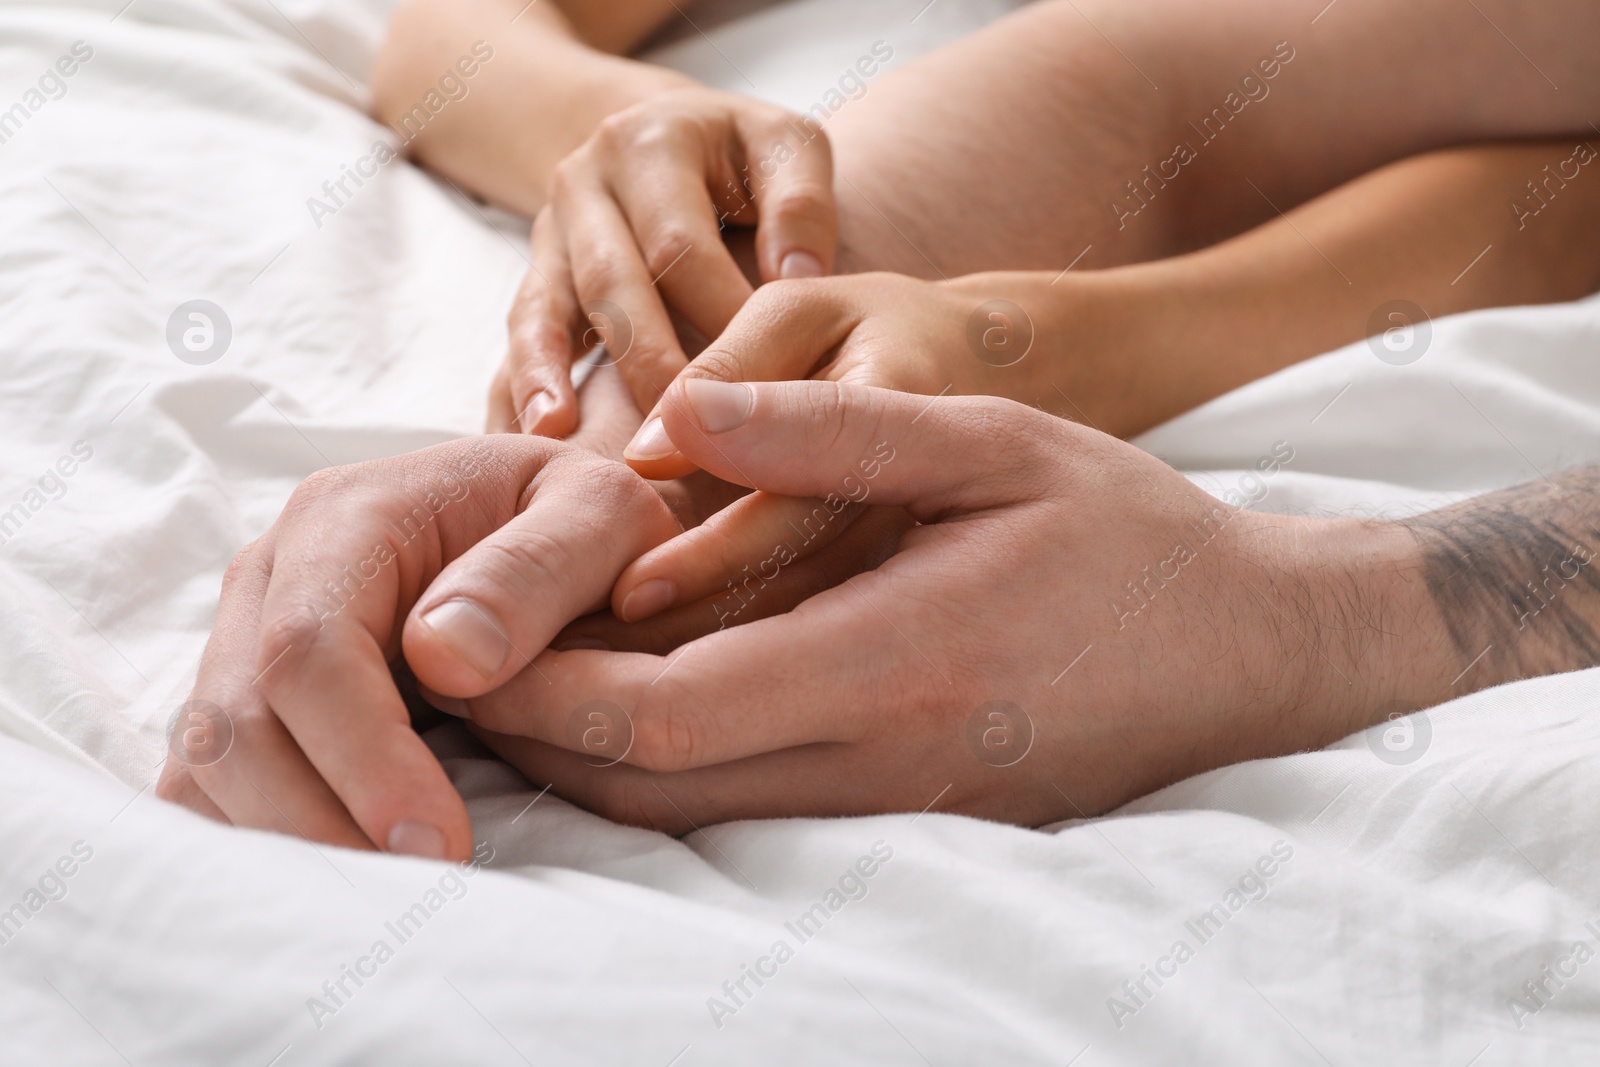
(1416, 900)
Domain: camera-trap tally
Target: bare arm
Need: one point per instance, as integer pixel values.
(1451, 231)
(1049, 119)
(619, 26)
(1127, 348)
(549, 83)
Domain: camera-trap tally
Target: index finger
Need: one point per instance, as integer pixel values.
(782, 333)
(811, 675)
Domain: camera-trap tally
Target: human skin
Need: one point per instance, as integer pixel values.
(1135, 638)
(894, 186)
(1053, 97)
(1121, 348)
(1138, 629)
(1126, 348)
(1049, 98)
(418, 794)
(300, 670)
(552, 80)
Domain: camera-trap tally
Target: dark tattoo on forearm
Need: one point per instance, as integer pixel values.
(1516, 575)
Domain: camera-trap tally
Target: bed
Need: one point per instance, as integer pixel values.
(1418, 893)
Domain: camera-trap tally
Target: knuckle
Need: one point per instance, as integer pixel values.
(668, 244)
(627, 134)
(803, 202)
(570, 175)
(543, 223)
(285, 640)
(786, 298)
(616, 482)
(820, 144)
(827, 411)
(174, 785)
(648, 371)
(533, 559)
(612, 488)
(1008, 428)
(619, 131)
(319, 487)
(255, 730)
(240, 566)
(719, 363)
(599, 271)
(664, 739)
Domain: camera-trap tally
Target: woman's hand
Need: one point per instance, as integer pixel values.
(634, 227)
(989, 334)
(1072, 625)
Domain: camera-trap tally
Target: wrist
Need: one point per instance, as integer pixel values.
(618, 83)
(1352, 631)
(1121, 349)
(1135, 346)
(549, 117)
(599, 86)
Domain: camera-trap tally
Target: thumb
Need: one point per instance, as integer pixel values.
(783, 331)
(496, 606)
(839, 441)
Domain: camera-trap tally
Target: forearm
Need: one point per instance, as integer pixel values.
(1385, 617)
(1449, 232)
(619, 26)
(1368, 83)
(539, 97)
(1125, 132)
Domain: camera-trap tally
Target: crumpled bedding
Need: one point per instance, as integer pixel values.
(1418, 893)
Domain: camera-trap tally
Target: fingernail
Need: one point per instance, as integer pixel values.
(800, 265)
(648, 598)
(719, 406)
(651, 442)
(471, 633)
(412, 837)
(578, 644)
(540, 408)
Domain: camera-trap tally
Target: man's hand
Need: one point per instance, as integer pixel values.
(470, 556)
(986, 334)
(1072, 625)
(634, 226)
